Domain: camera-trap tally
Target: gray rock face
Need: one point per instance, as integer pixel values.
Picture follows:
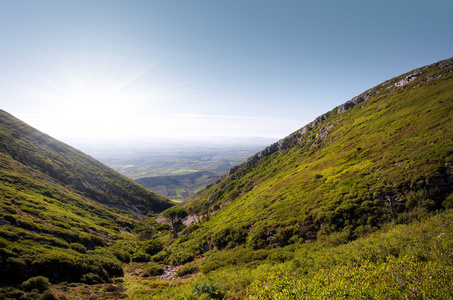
(408, 79)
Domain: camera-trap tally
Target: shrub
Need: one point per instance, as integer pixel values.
(153, 270)
(78, 247)
(179, 256)
(39, 283)
(229, 237)
(122, 255)
(184, 270)
(207, 289)
(448, 202)
(152, 247)
(141, 257)
(48, 295)
(91, 278)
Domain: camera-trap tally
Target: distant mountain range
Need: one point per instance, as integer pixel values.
(178, 187)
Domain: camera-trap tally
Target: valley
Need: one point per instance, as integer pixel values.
(356, 204)
(178, 170)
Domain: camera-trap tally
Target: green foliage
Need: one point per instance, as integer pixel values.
(78, 247)
(140, 257)
(186, 269)
(229, 238)
(153, 270)
(179, 256)
(152, 247)
(39, 283)
(401, 278)
(206, 290)
(90, 278)
(175, 215)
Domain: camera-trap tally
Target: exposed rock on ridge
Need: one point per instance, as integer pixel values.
(299, 135)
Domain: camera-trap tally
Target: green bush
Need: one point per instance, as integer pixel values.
(186, 269)
(78, 247)
(229, 238)
(153, 270)
(39, 283)
(179, 256)
(122, 255)
(152, 247)
(91, 278)
(207, 289)
(140, 257)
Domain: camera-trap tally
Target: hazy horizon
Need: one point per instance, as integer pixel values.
(118, 72)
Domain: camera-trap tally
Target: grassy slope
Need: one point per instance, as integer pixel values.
(350, 205)
(53, 220)
(351, 173)
(73, 169)
(388, 158)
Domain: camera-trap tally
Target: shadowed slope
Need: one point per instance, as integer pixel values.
(54, 161)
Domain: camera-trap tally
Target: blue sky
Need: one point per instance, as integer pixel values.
(138, 70)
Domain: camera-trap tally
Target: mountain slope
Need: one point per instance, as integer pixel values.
(61, 164)
(386, 155)
(53, 219)
(356, 204)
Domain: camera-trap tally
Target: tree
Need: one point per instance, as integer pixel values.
(175, 215)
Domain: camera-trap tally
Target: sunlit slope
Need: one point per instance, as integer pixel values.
(386, 155)
(53, 161)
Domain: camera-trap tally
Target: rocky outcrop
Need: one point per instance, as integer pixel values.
(302, 133)
(299, 135)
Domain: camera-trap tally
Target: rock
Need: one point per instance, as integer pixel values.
(169, 273)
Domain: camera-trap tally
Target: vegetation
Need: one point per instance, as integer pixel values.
(357, 204)
(351, 174)
(175, 215)
(178, 187)
(24, 149)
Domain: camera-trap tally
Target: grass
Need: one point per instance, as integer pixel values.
(383, 163)
(359, 206)
(400, 261)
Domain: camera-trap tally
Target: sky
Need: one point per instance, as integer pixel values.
(116, 70)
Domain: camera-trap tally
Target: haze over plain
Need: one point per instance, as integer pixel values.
(104, 71)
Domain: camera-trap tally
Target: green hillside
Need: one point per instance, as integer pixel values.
(63, 215)
(357, 204)
(68, 167)
(384, 156)
(357, 189)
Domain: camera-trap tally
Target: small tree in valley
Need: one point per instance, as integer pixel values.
(175, 215)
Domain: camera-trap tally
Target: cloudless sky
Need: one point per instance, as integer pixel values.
(125, 70)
